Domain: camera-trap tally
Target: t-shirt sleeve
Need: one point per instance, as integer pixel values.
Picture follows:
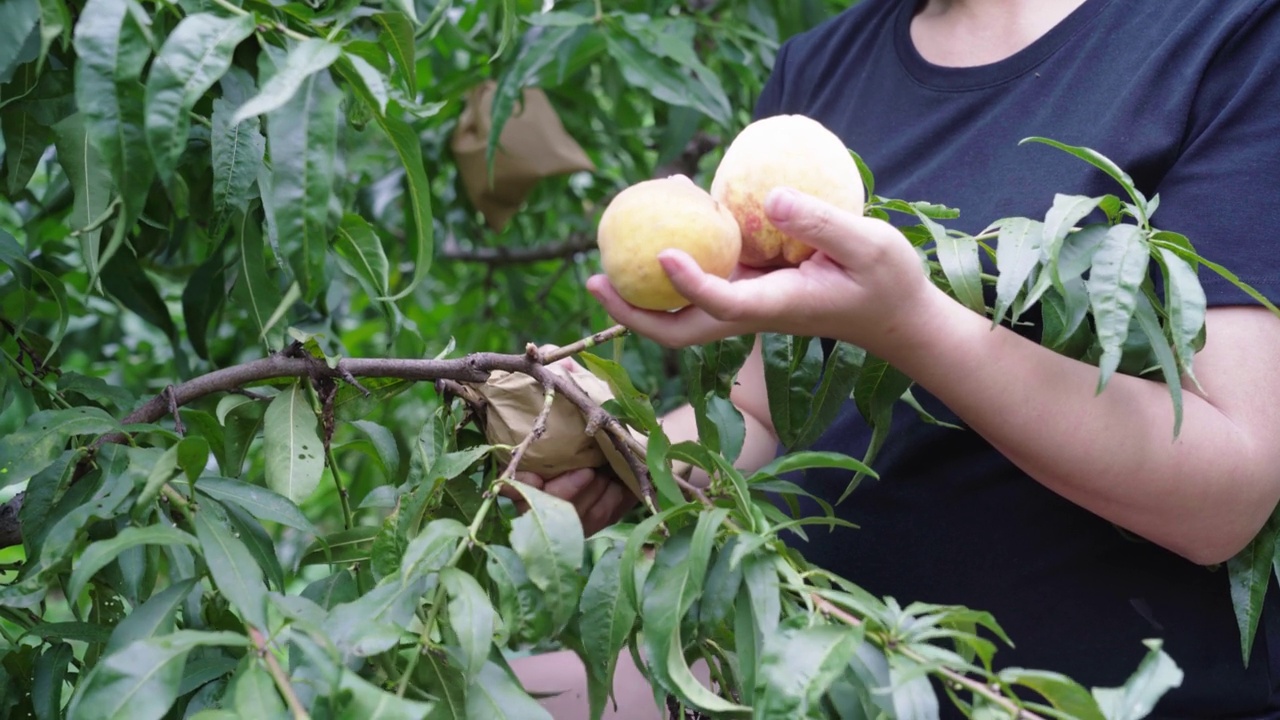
(770, 101)
(1223, 191)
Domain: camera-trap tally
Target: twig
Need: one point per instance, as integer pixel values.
(574, 348)
(173, 410)
(278, 674)
(830, 609)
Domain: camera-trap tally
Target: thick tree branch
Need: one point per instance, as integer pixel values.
(570, 246)
(473, 368)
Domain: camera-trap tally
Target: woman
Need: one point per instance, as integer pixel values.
(1070, 516)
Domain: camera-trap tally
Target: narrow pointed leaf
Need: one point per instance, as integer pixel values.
(238, 151)
(471, 616)
(236, 574)
(1119, 267)
(141, 680)
(111, 49)
(305, 60)
(1017, 253)
(1156, 675)
(101, 553)
(302, 137)
(194, 55)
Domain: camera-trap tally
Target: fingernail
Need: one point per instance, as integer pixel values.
(780, 204)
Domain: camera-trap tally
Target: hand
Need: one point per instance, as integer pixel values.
(865, 284)
(600, 499)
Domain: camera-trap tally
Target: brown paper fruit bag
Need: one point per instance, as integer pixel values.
(533, 145)
(513, 403)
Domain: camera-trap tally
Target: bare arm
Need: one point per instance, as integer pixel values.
(1203, 497)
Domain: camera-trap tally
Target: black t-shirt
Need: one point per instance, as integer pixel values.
(1183, 94)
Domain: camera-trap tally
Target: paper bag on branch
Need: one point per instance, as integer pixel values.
(513, 403)
(533, 145)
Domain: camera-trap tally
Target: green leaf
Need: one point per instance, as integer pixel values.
(794, 462)
(730, 428)
(471, 617)
(343, 546)
(714, 366)
(636, 542)
(666, 81)
(294, 453)
(384, 442)
(1185, 306)
(375, 622)
(1156, 675)
(1104, 164)
(12, 254)
(194, 56)
(18, 19)
(604, 625)
(305, 60)
(302, 137)
(1063, 693)
(1150, 324)
(235, 573)
(799, 666)
(792, 369)
(101, 553)
(519, 602)
(839, 376)
(548, 538)
(257, 501)
(1180, 246)
(111, 48)
(140, 681)
(1119, 267)
(360, 246)
(238, 151)
(879, 387)
(258, 543)
(672, 587)
(369, 702)
(372, 83)
(1250, 573)
(40, 441)
(635, 405)
(495, 695)
(125, 279)
(961, 264)
(398, 40)
(409, 149)
(255, 692)
(153, 617)
(26, 140)
(46, 684)
(262, 295)
(91, 185)
(1017, 253)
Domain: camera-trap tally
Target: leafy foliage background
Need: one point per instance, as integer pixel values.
(206, 186)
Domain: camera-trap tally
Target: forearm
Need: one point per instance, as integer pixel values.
(1202, 496)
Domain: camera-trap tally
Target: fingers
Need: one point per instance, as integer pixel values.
(569, 485)
(613, 503)
(690, 326)
(851, 240)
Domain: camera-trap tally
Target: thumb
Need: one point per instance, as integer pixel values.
(815, 222)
